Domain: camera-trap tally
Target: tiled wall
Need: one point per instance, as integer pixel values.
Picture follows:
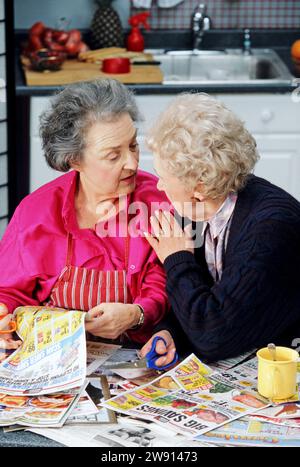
(78, 12)
(229, 14)
(3, 127)
(224, 13)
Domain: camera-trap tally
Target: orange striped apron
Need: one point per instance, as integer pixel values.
(79, 288)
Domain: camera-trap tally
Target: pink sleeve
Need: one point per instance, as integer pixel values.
(152, 297)
(16, 284)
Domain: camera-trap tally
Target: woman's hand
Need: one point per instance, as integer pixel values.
(161, 348)
(7, 343)
(168, 236)
(110, 320)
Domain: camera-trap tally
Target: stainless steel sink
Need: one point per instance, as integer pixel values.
(229, 66)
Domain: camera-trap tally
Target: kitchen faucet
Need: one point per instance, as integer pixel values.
(247, 42)
(200, 23)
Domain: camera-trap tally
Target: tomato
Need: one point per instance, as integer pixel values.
(48, 37)
(295, 49)
(37, 28)
(35, 42)
(72, 48)
(74, 35)
(83, 47)
(57, 47)
(73, 43)
(61, 36)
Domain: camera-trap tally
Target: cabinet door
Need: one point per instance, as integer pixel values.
(150, 107)
(274, 120)
(40, 172)
(280, 161)
(265, 113)
(146, 157)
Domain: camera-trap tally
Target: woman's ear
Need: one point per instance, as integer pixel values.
(74, 165)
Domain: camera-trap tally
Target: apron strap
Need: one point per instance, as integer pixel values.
(126, 253)
(69, 250)
(127, 239)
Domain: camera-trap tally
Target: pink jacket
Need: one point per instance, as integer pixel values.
(34, 247)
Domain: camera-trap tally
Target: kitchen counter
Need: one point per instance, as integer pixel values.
(278, 40)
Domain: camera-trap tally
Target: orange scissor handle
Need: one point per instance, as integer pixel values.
(12, 327)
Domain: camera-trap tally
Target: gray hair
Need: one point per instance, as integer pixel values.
(63, 126)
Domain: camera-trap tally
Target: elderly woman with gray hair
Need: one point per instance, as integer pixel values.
(241, 288)
(69, 244)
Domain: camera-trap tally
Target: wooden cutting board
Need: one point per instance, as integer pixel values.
(96, 56)
(73, 70)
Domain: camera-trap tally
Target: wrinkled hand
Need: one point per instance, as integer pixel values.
(168, 236)
(6, 341)
(110, 320)
(161, 348)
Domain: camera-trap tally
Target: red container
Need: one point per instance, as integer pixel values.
(116, 65)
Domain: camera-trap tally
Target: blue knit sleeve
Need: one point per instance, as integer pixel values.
(257, 298)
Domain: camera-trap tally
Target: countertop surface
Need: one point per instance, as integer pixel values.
(25, 439)
(278, 40)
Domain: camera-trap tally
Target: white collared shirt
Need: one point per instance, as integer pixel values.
(216, 236)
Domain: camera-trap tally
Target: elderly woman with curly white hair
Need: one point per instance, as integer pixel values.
(241, 288)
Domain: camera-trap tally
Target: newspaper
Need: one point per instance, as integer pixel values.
(231, 362)
(136, 433)
(284, 414)
(128, 432)
(88, 410)
(187, 399)
(85, 407)
(43, 410)
(52, 357)
(97, 354)
(72, 436)
(119, 354)
(291, 422)
(245, 432)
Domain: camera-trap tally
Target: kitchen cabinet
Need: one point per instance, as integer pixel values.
(273, 119)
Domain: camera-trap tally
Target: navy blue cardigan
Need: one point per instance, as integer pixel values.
(257, 299)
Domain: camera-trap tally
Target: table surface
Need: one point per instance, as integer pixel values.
(25, 439)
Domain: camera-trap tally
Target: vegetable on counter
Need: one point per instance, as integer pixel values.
(56, 40)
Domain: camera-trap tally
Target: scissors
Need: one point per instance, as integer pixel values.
(147, 362)
(11, 326)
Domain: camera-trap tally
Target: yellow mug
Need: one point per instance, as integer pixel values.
(277, 378)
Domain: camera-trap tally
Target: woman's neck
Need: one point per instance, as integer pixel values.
(93, 207)
(89, 195)
(211, 207)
